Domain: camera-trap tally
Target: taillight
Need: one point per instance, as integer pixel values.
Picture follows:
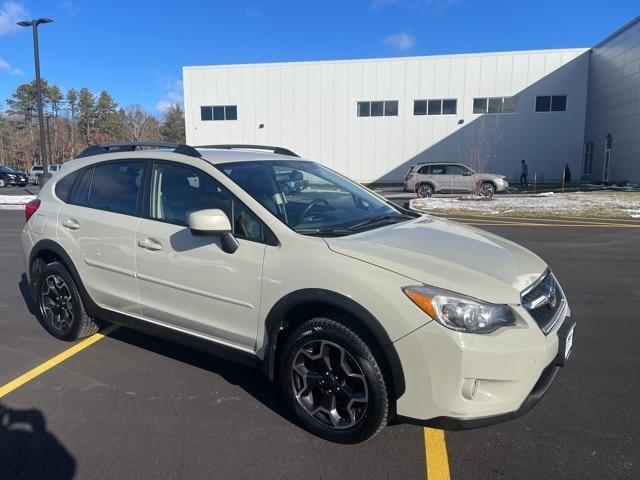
(31, 208)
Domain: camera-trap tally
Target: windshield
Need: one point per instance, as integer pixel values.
(312, 199)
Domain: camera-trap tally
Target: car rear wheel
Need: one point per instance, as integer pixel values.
(487, 190)
(60, 305)
(425, 191)
(333, 383)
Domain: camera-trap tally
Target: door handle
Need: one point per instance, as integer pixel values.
(150, 244)
(71, 224)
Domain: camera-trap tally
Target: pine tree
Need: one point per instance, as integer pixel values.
(86, 113)
(172, 128)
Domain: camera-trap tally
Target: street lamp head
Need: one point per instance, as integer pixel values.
(36, 22)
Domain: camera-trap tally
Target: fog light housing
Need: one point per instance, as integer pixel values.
(470, 388)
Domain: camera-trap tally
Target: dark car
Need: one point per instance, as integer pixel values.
(9, 176)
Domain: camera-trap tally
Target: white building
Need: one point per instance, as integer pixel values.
(612, 134)
(371, 118)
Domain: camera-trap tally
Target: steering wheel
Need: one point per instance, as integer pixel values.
(312, 205)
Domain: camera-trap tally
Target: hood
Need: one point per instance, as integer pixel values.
(447, 255)
(488, 176)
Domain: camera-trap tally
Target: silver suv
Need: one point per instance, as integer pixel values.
(359, 310)
(425, 179)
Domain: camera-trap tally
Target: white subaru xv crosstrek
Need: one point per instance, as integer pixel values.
(363, 312)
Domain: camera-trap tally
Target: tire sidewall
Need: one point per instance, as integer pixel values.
(377, 408)
(428, 190)
(492, 191)
(57, 269)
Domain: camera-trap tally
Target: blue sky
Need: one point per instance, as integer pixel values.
(135, 49)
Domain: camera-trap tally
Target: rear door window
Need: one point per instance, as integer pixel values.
(115, 186)
(80, 193)
(426, 170)
(438, 169)
(63, 186)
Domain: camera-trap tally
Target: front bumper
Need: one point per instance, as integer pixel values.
(514, 368)
(17, 181)
(502, 185)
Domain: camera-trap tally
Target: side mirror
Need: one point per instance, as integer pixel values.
(467, 173)
(213, 223)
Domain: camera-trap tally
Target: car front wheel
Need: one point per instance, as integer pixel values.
(487, 190)
(333, 383)
(3, 183)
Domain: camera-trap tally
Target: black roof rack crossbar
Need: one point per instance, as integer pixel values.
(277, 150)
(131, 146)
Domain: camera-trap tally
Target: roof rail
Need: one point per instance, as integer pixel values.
(131, 146)
(278, 150)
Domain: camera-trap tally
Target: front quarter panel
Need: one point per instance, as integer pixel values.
(308, 263)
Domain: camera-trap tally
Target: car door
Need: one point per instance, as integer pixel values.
(461, 181)
(186, 281)
(97, 228)
(439, 178)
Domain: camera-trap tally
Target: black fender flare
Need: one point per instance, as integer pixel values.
(275, 323)
(47, 245)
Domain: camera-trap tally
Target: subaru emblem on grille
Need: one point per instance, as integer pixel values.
(552, 296)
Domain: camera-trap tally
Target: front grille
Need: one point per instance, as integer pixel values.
(545, 301)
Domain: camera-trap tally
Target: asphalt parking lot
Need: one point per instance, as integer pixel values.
(26, 190)
(132, 406)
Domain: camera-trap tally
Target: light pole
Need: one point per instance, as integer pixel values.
(36, 53)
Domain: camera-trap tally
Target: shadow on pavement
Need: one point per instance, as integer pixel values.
(248, 378)
(23, 286)
(28, 450)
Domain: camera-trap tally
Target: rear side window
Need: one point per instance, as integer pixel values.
(115, 187)
(64, 185)
(80, 193)
(426, 170)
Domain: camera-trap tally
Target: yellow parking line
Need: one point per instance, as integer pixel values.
(436, 452)
(52, 362)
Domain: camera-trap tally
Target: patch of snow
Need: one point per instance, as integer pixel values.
(571, 204)
(16, 199)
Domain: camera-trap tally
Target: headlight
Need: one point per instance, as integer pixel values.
(458, 312)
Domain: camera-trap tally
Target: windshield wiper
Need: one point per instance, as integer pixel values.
(379, 218)
(325, 232)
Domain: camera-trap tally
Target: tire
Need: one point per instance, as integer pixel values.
(359, 390)
(424, 191)
(60, 306)
(3, 183)
(487, 190)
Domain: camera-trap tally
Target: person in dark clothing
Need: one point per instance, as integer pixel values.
(524, 173)
(567, 174)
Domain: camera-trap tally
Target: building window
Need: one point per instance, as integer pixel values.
(551, 103)
(587, 165)
(495, 105)
(219, 112)
(387, 108)
(435, 107)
